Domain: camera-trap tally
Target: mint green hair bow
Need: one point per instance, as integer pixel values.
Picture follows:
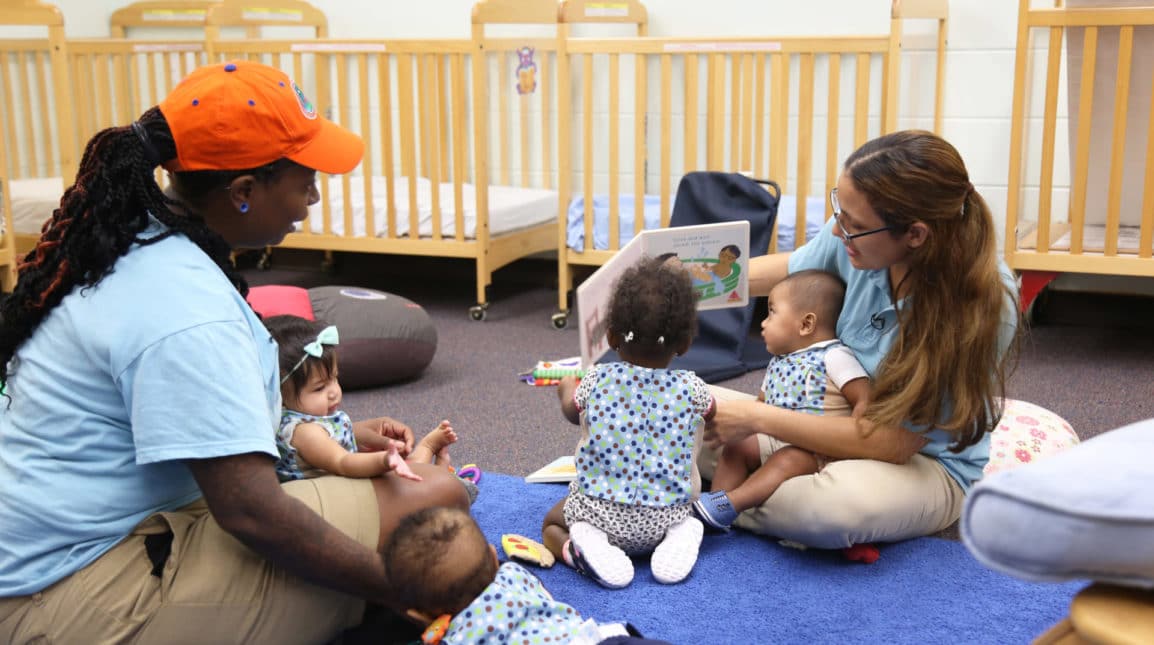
(328, 336)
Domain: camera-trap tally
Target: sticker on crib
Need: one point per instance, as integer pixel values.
(363, 294)
(607, 10)
(768, 46)
(526, 71)
(173, 15)
(272, 14)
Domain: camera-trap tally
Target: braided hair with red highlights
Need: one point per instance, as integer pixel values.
(102, 215)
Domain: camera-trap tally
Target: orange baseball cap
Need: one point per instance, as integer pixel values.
(243, 114)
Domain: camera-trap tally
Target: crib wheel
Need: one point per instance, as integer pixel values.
(477, 312)
(560, 319)
(265, 260)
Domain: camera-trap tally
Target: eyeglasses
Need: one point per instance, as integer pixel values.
(846, 235)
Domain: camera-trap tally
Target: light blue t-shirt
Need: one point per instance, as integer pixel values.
(162, 361)
(868, 325)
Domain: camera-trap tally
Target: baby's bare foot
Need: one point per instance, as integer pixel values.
(437, 442)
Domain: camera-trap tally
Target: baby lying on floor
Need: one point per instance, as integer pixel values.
(441, 564)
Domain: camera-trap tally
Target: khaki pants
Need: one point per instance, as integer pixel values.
(212, 589)
(852, 501)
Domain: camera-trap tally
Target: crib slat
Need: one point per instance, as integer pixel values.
(715, 111)
(1049, 128)
(759, 110)
(385, 93)
(1017, 113)
(663, 180)
(544, 85)
(342, 62)
(564, 173)
(1146, 233)
(735, 105)
(747, 112)
(587, 145)
(613, 114)
(43, 79)
(368, 167)
(125, 82)
(1082, 157)
(692, 162)
(11, 151)
(460, 145)
(430, 146)
(640, 123)
(405, 100)
(861, 101)
(502, 117)
(443, 108)
(82, 79)
(779, 119)
(524, 136)
(29, 119)
(1118, 149)
(805, 100)
(833, 112)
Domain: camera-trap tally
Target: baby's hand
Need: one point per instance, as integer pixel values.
(396, 463)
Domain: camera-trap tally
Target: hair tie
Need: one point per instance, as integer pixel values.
(966, 197)
(629, 337)
(150, 152)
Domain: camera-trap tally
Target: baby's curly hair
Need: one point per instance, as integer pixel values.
(438, 561)
(656, 302)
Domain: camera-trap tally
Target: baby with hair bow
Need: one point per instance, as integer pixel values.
(314, 433)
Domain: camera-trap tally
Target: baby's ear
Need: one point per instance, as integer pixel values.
(808, 324)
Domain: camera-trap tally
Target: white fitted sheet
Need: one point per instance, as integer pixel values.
(33, 201)
(510, 208)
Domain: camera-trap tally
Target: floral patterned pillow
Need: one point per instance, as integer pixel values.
(1025, 434)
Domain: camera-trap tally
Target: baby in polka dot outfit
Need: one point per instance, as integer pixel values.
(810, 371)
(440, 563)
(636, 462)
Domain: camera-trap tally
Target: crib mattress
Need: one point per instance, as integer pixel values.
(1093, 239)
(33, 201)
(511, 208)
(626, 207)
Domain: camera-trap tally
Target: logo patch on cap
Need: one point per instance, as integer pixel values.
(307, 107)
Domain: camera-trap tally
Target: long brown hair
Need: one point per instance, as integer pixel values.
(945, 368)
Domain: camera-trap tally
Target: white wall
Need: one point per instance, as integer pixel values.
(979, 74)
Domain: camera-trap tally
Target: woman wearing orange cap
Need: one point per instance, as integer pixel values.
(139, 501)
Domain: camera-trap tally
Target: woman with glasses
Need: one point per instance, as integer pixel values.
(931, 313)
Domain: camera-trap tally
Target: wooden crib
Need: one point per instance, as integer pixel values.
(8, 234)
(737, 104)
(36, 124)
(118, 78)
(431, 184)
(1099, 218)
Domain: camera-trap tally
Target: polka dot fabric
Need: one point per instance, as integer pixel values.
(515, 608)
(1025, 434)
(797, 381)
(338, 425)
(642, 424)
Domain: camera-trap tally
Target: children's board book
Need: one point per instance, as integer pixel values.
(561, 469)
(716, 256)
